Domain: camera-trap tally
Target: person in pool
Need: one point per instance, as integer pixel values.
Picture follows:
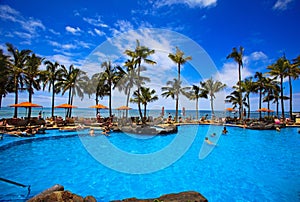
(225, 131)
(209, 142)
(213, 135)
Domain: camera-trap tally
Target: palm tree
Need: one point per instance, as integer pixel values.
(195, 94)
(17, 63)
(179, 59)
(139, 55)
(73, 81)
(234, 99)
(146, 96)
(4, 76)
(238, 57)
(50, 77)
(212, 87)
(248, 86)
(110, 77)
(32, 76)
(293, 73)
(280, 69)
(173, 89)
(260, 86)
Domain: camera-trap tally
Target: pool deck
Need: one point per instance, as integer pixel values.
(11, 140)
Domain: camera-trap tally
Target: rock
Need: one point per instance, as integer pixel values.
(180, 197)
(57, 194)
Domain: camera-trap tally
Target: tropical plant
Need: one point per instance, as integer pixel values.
(145, 97)
(32, 76)
(173, 89)
(110, 78)
(248, 86)
(17, 63)
(260, 87)
(73, 80)
(139, 55)
(234, 99)
(196, 93)
(212, 87)
(6, 86)
(179, 59)
(293, 73)
(270, 87)
(238, 57)
(50, 77)
(280, 69)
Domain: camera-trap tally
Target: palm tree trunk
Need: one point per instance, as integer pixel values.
(177, 95)
(16, 96)
(281, 93)
(145, 111)
(1, 96)
(241, 95)
(212, 106)
(127, 102)
(291, 97)
(29, 99)
(197, 109)
(53, 97)
(139, 90)
(249, 111)
(110, 113)
(259, 107)
(69, 102)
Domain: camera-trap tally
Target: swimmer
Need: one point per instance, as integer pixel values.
(213, 135)
(209, 142)
(225, 131)
(278, 129)
(92, 132)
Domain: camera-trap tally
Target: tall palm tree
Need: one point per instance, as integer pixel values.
(179, 59)
(248, 86)
(50, 77)
(173, 89)
(280, 69)
(17, 63)
(110, 77)
(6, 86)
(293, 73)
(146, 96)
(212, 87)
(269, 88)
(139, 55)
(196, 93)
(260, 86)
(73, 80)
(238, 57)
(32, 76)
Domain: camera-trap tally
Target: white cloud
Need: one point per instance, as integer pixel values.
(258, 55)
(73, 30)
(122, 26)
(95, 22)
(54, 32)
(99, 32)
(190, 3)
(281, 4)
(28, 25)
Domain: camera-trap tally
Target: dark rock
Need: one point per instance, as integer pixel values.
(180, 197)
(57, 194)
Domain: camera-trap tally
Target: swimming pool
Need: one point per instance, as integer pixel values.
(247, 165)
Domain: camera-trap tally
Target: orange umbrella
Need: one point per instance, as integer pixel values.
(65, 106)
(263, 110)
(230, 109)
(25, 104)
(99, 106)
(123, 108)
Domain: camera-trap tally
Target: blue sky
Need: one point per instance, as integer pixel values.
(70, 31)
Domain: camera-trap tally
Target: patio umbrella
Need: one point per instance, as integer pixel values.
(26, 105)
(65, 106)
(230, 109)
(98, 106)
(123, 108)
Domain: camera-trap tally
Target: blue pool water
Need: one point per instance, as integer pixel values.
(246, 165)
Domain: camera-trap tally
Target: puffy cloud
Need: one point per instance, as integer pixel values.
(281, 4)
(99, 32)
(73, 30)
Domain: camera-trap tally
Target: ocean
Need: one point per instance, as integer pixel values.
(7, 112)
